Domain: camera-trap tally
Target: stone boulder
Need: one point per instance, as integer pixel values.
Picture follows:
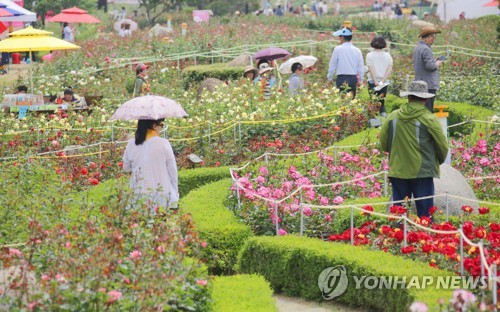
(210, 84)
(242, 60)
(453, 182)
(14, 274)
(160, 31)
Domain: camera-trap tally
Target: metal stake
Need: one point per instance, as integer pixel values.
(493, 279)
(461, 252)
(276, 217)
(301, 213)
(404, 230)
(385, 184)
(446, 198)
(238, 195)
(352, 225)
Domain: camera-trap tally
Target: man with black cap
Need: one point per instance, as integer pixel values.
(416, 144)
(424, 63)
(141, 85)
(346, 63)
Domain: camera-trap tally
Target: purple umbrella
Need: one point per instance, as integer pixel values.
(271, 54)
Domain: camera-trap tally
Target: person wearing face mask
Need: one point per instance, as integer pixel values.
(425, 64)
(141, 85)
(151, 161)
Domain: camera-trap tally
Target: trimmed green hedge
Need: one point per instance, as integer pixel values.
(195, 74)
(191, 179)
(459, 112)
(250, 293)
(293, 264)
(216, 224)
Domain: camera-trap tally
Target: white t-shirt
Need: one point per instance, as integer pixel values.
(379, 60)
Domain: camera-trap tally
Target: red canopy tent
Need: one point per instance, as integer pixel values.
(74, 15)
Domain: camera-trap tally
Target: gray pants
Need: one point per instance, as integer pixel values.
(430, 102)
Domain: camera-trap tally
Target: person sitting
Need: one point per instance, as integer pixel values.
(295, 83)
(73, 99)
(22, 90)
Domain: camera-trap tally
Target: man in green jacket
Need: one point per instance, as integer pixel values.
(416, 144)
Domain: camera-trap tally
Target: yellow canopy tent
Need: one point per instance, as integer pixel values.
(31, 39)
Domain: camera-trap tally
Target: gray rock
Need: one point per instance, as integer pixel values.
(14, 274)
(242, 60)
(453, 182)
(210, 85)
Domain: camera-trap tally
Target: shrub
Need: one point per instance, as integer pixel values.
(292, 265)
(196, 74)
(250, 293)
(194, 178)
(217, 225)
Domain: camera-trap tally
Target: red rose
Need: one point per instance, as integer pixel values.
(480, 232)
(432, 210)
(84, 171)
(467, 209)
(427, 248)
(407, 250)
(483, 210)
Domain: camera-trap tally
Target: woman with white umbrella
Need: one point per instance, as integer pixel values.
(151, 161)
(149, 157)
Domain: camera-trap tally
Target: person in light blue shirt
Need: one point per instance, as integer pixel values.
(346, 63)
(295, 83)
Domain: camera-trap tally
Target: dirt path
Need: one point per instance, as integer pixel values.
(291, 304)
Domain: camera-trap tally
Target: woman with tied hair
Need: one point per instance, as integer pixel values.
(379, 65)
(151, 161)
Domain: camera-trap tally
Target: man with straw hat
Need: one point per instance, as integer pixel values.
(416, 144)
(424, 63)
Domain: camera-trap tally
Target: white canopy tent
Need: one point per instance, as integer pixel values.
(450, 9)
(27, 16)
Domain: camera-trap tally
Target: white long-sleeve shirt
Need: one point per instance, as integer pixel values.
(154, 170)
(346, 60)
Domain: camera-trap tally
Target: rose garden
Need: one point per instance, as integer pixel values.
(287, 186)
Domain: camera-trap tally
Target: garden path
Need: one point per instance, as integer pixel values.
(291, 304)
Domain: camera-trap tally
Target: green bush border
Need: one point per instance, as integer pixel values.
(217, 225)
(292, 265)
(250, 293)
(195, 74)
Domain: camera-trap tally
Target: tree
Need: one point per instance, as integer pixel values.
(221, 7)
(155, 8)
(41, 7)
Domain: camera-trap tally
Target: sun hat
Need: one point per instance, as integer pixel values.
(419, 89)
(250, 68)
(264, 67)
(346, 31)
(427, 30)
(265, 70)
(140, 68)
